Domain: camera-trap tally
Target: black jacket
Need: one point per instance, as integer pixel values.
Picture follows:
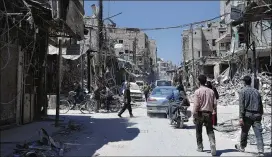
(127, 98)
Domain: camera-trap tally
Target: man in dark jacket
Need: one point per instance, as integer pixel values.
(209, 85)
(250, 113)
(146, 91)
(127, 102)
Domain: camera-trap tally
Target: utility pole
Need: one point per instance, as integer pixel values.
(193, 57)
(256, 81)
(81, 67)
(89, 64)
(134, 51)
(106, 52)
(100, 36)
(58, 83)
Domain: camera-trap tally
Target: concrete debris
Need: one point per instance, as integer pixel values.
(229, 90)
(46, 146)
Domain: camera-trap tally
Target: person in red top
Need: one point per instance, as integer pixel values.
(204, 106)
(210, 85)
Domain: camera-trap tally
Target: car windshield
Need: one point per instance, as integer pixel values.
(163, 83)
(162, 91)
(134, 86)
(140, 83)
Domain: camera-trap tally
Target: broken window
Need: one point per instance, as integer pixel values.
(241, 33)
(214, 53)
(198, 53)
(222, 44)
(120, 41)
(126, 51)
(213, 42)
(120, 53)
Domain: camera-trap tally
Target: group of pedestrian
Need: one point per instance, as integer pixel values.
(205, 114)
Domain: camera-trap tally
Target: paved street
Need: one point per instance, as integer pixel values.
(105, 134)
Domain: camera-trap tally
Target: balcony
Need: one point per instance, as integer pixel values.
(226, 37)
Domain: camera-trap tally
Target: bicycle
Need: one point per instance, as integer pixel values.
(85, 106)
(114, 105)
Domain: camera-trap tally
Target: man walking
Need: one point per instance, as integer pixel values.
(204, 106)
(146, 91)
(127, 102)
(251, 111)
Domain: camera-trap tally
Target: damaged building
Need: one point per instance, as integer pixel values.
(227, 44)
(28, 26)
(205, 51)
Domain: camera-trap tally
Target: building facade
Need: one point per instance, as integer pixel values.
(163, 67)
(206, 52)
(240, 33)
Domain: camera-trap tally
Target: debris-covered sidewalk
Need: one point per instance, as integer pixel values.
(37, 139)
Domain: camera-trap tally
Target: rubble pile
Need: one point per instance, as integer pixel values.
(228, 89)
(46, 146)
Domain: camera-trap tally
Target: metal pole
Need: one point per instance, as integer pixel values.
(100, 35)
(81, 70)
(256, 81)
(193, 57)
(89, 63)
(58, 84)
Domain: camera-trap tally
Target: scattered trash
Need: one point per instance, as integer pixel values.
(70, 128)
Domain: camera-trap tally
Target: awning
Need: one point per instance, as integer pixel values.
(132, 74)
(226, 37)
(260, 51)
(254, 12)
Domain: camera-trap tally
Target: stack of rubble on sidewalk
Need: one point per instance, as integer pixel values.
(228, 88)
(46, 145)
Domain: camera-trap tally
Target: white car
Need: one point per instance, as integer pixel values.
(135, 92)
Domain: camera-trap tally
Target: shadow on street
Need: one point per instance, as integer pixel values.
(98, 132)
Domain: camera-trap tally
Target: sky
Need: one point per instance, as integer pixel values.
(152, 14)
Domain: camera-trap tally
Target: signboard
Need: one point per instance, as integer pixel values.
(235, 13)
(73, 49)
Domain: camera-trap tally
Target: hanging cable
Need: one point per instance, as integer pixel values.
(171, 27)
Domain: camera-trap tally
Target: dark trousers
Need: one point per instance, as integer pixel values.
(146, 96)
(257, 128)
(126, 106)
(204, 118)
(108, 101)
(97, 105)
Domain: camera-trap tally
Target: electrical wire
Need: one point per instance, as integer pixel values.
(171, 27)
